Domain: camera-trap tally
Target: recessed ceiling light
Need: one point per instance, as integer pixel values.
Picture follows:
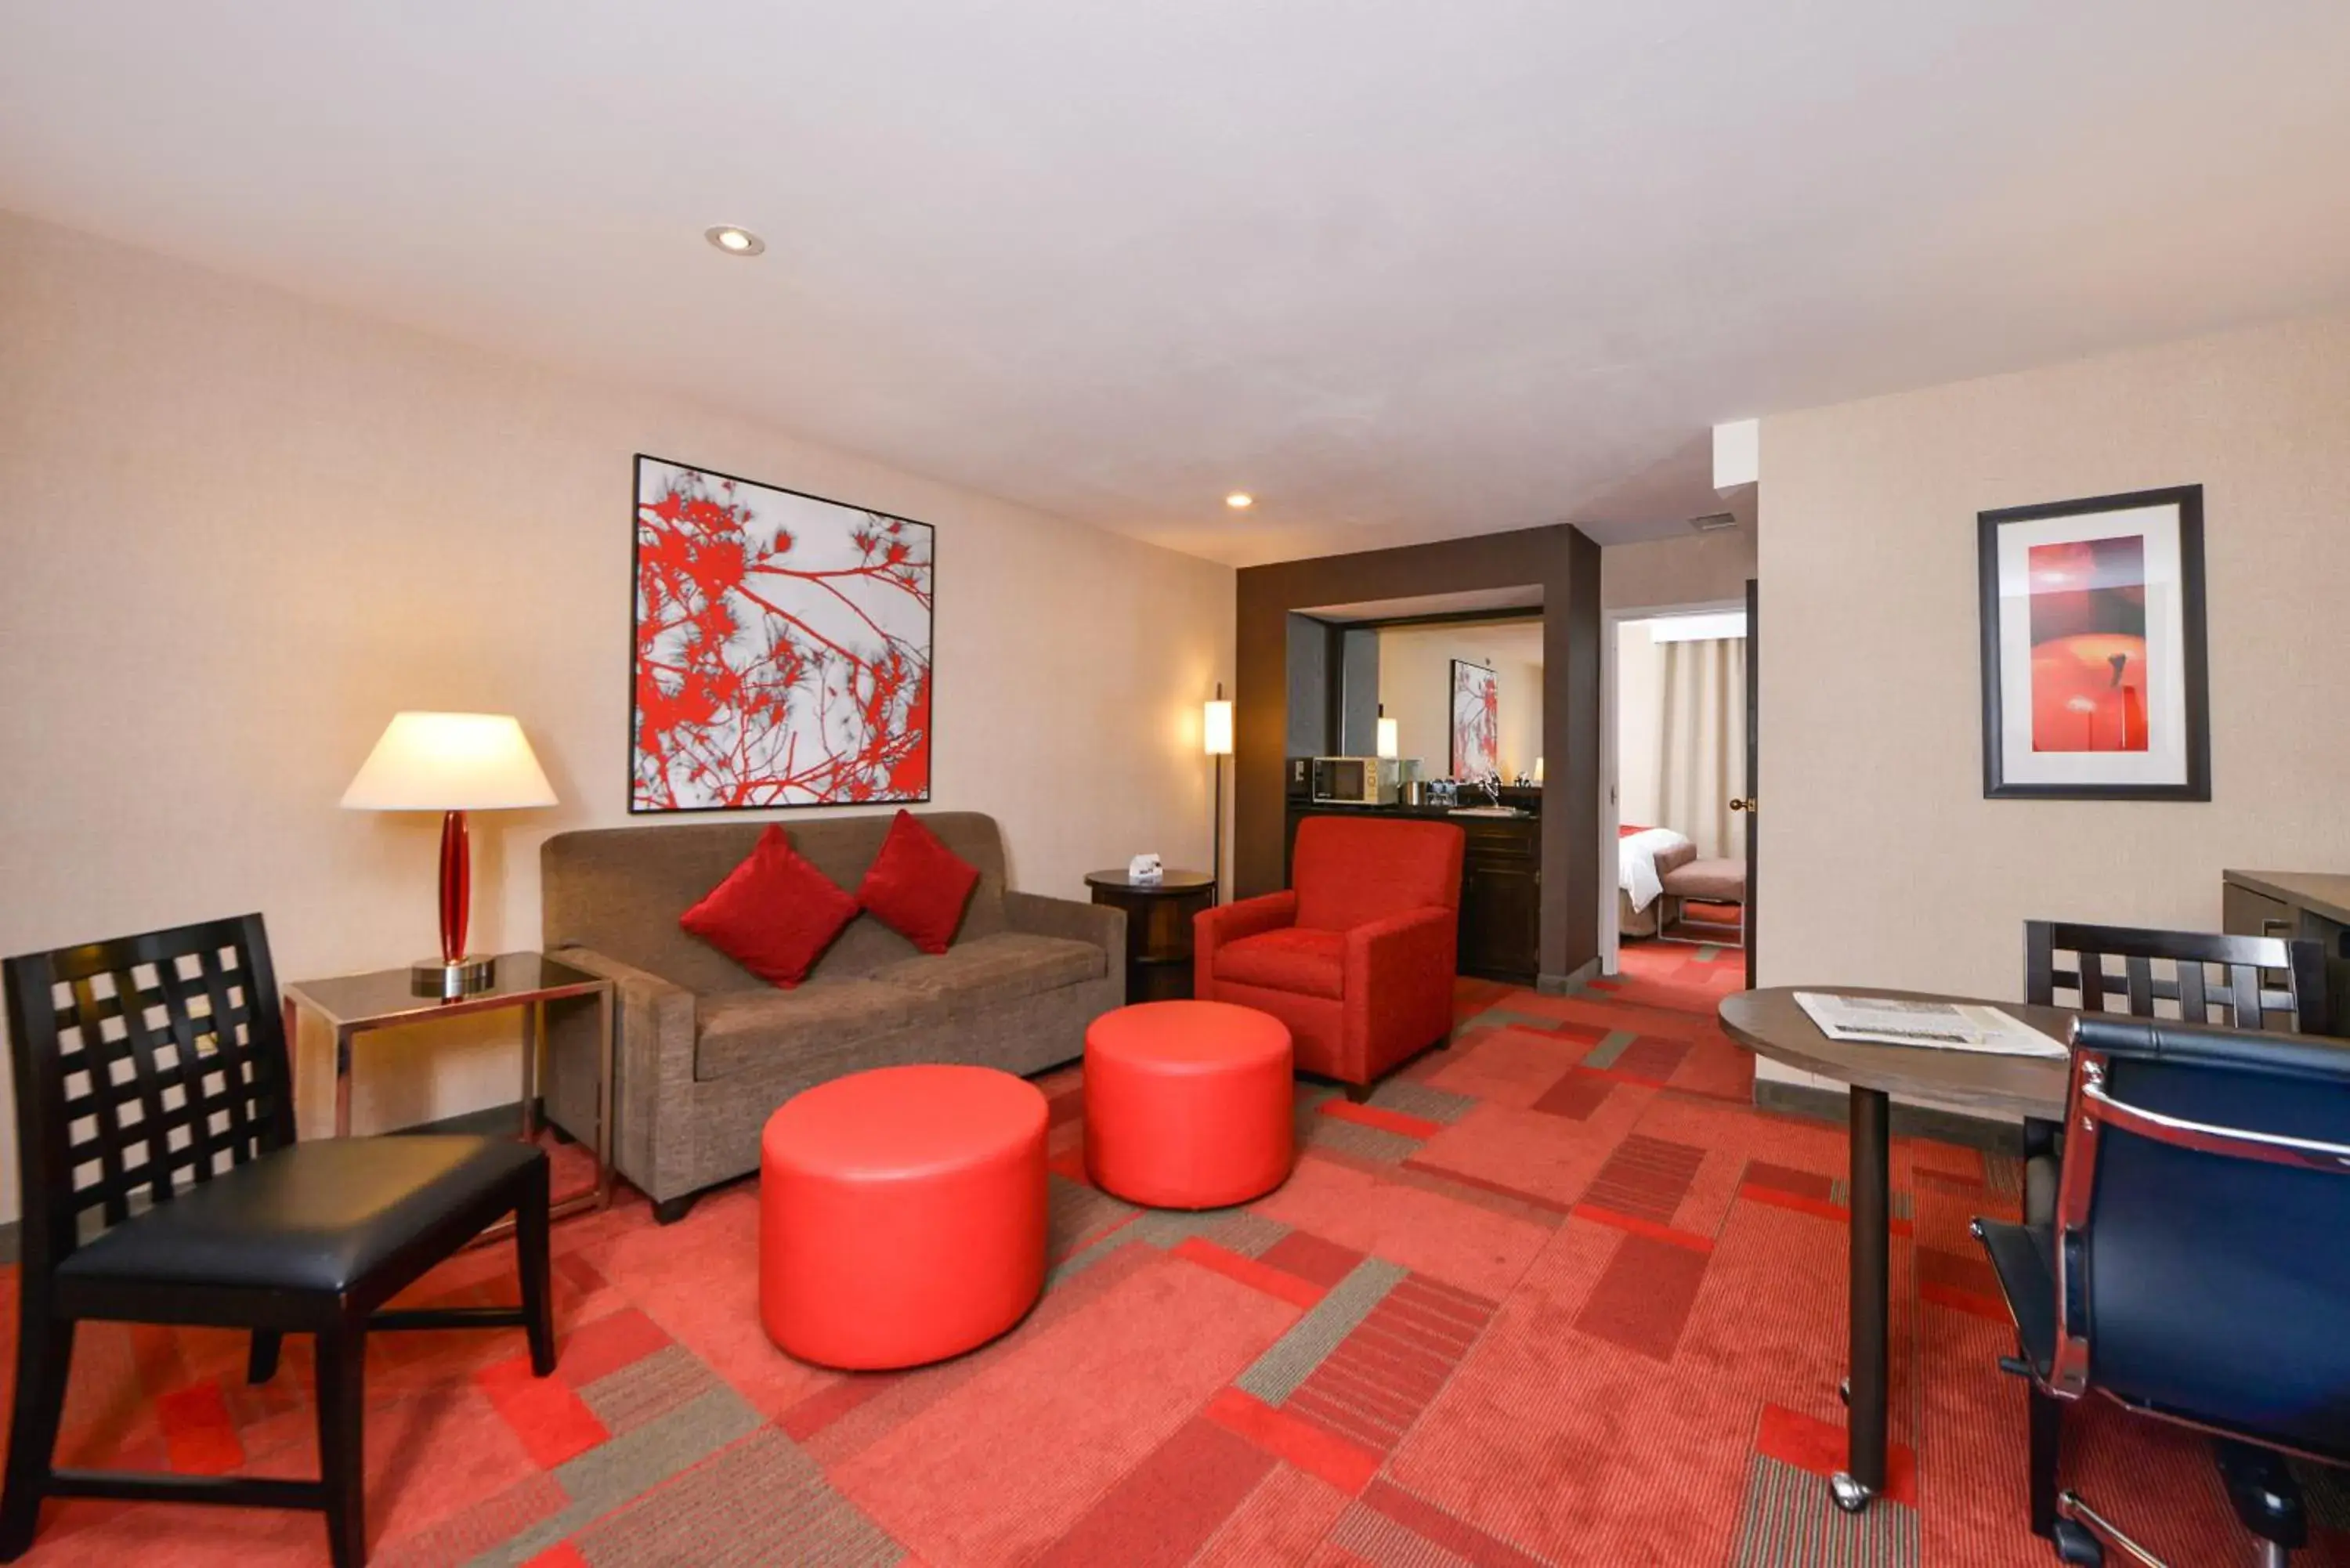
(1240, 501)
(734, 242)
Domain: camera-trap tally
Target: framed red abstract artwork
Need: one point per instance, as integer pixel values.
(2093, 675)
(782, 654)
(1476, 723)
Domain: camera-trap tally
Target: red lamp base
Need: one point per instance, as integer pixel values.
(454, 974)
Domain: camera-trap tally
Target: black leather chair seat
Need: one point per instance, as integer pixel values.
(314, 1216)
(2024, 1258)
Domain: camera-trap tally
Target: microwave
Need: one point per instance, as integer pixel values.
(1357, 781)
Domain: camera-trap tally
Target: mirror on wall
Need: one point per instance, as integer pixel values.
(1465, 698)
(1450, 685)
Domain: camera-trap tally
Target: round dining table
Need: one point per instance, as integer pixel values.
(1772, 1024)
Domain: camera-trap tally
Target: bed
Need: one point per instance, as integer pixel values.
(1643, 856)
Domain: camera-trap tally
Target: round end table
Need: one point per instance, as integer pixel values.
(1158, 927)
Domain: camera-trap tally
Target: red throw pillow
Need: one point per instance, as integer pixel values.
(774, 914)
(917, 886)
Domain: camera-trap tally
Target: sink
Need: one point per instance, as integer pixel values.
(1487, 811)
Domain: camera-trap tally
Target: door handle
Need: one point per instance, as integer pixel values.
(1748, 804)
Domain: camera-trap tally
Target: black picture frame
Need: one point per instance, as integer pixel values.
(636, 562)
(2197, 786)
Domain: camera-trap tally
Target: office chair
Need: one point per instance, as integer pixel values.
(2191, 1271)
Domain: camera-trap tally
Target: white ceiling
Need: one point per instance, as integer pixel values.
(1404, 270)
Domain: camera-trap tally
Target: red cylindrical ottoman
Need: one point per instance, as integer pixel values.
(902, 1215)
(1188, 1103)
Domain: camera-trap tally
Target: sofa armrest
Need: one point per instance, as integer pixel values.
(653, 1064)
(1034, 914)
(1409, 947)
(1245, 917)
(1398, 976)
(1212, 927)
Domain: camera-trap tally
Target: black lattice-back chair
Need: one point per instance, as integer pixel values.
(2194, 977)
(162, 1184)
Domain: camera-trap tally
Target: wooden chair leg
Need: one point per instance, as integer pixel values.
(43, 1352)
(261, 1361)
(2047, 1429)
(342, 1446)
(531, 1259)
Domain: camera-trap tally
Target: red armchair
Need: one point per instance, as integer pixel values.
(1358, 956)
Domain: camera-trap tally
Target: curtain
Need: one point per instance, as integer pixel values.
(1701, 757)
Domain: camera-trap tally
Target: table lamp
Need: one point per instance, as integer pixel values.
(1216, 735)
(451, 764)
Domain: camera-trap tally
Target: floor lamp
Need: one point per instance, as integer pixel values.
(1216, 730)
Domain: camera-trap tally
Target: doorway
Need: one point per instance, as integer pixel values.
(1674, 726)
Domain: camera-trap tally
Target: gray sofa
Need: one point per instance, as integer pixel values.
(708, 1050)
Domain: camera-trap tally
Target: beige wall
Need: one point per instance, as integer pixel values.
(241, 529)
(1665, 573)
(1639, 713)
(1881, 861)
(1416, 688)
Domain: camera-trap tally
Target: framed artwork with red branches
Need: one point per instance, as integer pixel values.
(782, 654)
(1476, 721)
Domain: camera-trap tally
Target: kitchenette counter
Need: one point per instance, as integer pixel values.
(1434, 813)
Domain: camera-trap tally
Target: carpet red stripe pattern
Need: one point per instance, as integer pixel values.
(1556, 1294)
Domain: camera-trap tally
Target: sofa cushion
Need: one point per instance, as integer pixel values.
(1297, 959)
(737, 1031)
(620, 890)
(1350, 871)
(1715, 881)
(774, 914)
(917, 886)
(998, 969)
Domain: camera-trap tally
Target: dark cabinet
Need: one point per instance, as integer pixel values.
(1500, 900)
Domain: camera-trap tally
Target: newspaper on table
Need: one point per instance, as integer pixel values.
(1944, 1025)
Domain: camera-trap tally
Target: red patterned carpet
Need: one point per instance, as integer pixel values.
(1558, 1294)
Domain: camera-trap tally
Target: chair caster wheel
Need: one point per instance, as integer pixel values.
(1849, 1494)
(1844, 1390)
(2076, 1544)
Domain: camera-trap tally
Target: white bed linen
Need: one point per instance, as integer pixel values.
(1636, 863)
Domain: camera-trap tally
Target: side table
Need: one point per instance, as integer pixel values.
(1158, 927)
(356, 1004)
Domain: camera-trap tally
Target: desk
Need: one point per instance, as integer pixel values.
(2312, 906)
(352, 1005)
(1770, 1023)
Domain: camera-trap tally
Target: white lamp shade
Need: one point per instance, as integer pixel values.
(1538, 778)
(1216, 727)
(1388, 744)
(450, 762)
